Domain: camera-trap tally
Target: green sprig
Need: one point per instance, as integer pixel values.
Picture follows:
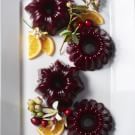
(72, 36)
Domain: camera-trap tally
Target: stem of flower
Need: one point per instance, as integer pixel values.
(27, 24)
(76, 29)
(62, 46)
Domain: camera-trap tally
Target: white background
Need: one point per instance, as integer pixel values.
(113, 85)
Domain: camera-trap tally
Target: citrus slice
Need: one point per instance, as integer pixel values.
(58, 130)
(44, 131)
(48, 46)
(35, 46)
(94, 16)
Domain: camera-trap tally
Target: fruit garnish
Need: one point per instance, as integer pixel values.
(50, 120)
(88, 23)
(43, 114)
(36, 121)
(78, 14)
(40, 41)
(44, 131)
(44, 123)
(36, 36)
(35, 46)
(58, 130)
(68, 112)
(94, 16)
(48, 46)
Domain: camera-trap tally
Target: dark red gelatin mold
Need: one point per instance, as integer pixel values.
(90, 118)
(59, 83)
(94, 50)
(49, 15)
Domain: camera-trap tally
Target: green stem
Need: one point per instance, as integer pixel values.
(63, 45)
(76, 29)
(27, 24)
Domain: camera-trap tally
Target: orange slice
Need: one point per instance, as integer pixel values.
(35, 46)
(44, 131)
(48, 46)
(94, 16)
(59, 128)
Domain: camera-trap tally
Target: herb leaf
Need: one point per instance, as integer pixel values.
(75, 39)
(65, 32)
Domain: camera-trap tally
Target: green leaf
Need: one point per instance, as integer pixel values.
(68, 38)
(75, 39)
(65, 33)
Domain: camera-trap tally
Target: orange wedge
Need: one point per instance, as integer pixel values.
(44, 131)
(59, 128)
(35, 46)
(48, 46)
(94, 16)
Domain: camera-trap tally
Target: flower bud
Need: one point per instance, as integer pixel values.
(31, 102)
(38, 100)
(31, 108)
(40, 114)
(38, 107)
(69, 4)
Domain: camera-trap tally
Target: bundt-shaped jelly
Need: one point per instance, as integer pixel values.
(48, 15)
(59, 83)
(95, 48)
(90, 118)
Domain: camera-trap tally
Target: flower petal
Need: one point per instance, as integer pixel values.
(55, 105)
(58, 117)
(48, 110)
(49, 115)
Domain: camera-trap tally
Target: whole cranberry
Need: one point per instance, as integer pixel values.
(88, 23)
(80, 25)
(44, 123)
(68, 112)
(36, 121)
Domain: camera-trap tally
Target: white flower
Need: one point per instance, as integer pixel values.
(52, 112)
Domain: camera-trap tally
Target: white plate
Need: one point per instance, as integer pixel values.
(113, 85)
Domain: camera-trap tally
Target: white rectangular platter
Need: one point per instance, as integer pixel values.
(113, 85)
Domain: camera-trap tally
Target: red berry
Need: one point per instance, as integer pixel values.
(80, 24)
(36, 121)
(44, 123)
(68, 112)
(88, 23)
